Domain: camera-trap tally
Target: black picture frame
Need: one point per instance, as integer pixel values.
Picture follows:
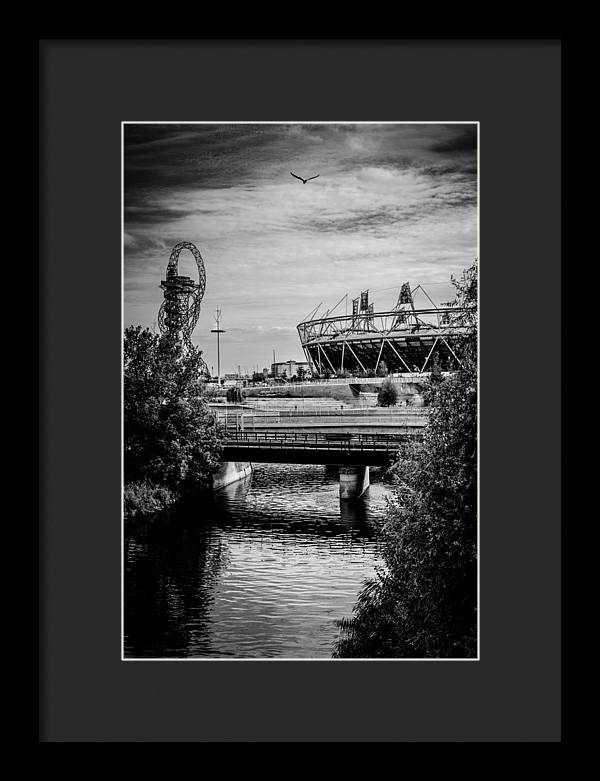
(87, 88)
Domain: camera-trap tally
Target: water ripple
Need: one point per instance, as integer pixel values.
(266, 569)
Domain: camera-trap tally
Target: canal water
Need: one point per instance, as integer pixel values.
(264, 569)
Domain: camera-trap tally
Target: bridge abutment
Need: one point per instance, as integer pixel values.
(231, 471)
(354, 481)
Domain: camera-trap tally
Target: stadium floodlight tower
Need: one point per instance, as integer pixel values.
(180, 310)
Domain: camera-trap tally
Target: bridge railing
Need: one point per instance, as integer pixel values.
(337, 441)
(347, 412)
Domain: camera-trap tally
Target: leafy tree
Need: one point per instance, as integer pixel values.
(435, 377)
(436, 369)
(424, 604)
(382, 369)
(171, 436)
(388, 394)
(301, 373)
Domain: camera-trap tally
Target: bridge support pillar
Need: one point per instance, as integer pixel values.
(354, 481)
(229, 472)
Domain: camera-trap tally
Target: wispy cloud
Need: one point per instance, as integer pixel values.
(392, 203)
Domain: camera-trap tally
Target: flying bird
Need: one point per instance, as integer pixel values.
(304, 181)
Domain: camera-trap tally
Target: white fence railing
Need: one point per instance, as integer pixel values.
(237, 416)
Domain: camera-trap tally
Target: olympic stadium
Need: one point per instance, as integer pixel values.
(405, 338)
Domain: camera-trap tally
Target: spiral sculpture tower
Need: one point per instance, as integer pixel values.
(180, 310)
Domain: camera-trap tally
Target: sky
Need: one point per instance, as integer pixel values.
(393, 203)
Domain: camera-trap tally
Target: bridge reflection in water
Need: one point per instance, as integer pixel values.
(266, 568)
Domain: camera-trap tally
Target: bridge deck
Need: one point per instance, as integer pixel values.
(314, 448)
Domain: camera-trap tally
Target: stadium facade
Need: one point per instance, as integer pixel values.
(405, 339)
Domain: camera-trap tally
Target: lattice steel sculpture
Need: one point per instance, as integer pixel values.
(180, 310)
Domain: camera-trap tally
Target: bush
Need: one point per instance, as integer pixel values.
(436, 370)
(388, 394)
(435, 377)
(234, 395)
(424, 604)
(146, 499)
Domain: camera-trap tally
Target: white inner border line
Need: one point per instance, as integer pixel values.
(295, 658)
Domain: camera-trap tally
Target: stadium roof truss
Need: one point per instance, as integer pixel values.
(406, 338)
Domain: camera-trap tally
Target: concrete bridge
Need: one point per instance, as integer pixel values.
(313, 448)
(352, 442)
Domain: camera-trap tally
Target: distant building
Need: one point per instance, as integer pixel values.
(288, 369)
(232, 379)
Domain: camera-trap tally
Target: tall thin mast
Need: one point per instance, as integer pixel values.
(218, 331)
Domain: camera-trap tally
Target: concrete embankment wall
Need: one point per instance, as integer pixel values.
(229, 472)
(406, 387)
(294, 391)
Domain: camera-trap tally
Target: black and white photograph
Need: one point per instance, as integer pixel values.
(300, 384)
